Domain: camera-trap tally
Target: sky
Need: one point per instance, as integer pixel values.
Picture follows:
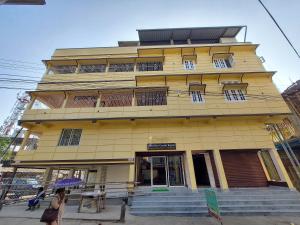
(29, 34)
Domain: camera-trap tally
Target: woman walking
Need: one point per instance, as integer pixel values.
(58, 203)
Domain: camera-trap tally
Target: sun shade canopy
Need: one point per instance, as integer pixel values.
(181, 35)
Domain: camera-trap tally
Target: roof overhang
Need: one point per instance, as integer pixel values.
(192, 33)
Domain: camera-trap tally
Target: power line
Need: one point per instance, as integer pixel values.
(16, 75)
(288, 40)
(18, 61)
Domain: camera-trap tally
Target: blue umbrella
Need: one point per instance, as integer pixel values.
(69, 182)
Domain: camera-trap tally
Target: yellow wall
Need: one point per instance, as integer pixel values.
(115, 140)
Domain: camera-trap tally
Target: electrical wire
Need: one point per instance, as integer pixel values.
(280, 29)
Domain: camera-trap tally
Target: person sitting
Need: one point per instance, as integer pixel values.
(35, 202)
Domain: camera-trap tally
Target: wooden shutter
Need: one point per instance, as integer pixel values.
(243, 168)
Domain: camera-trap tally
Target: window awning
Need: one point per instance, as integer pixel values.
(196, 86)
(234, 86)
(221, 55)
(189, 57)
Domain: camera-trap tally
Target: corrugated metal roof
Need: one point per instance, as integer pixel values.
(194, 33)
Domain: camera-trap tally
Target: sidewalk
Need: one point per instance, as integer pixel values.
(16, 215)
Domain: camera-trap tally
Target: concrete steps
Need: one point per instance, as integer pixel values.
(239, 201)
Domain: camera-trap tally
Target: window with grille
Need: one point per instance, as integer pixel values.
(189, 65)
(70, 137)
(234, 95)
(122, 67)
(62, 69)
(197, 97)
(93, 68)
(148, 98)
(150, 66)
(223, 63)
(32, 143)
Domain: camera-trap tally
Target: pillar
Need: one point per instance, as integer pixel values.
(130, 185)
(220, 169)
(26, 136)
(71, 173)
(65, 101)
(191, 170)
(97, 180)
(263, 166)
(280, 168)
(30, 104)
(47, 177)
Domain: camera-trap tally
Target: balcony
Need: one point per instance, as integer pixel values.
(140, 102)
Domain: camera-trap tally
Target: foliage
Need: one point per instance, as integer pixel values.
(4, 142)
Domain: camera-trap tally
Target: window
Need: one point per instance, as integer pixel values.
(150, 66)
(197, 97)
(124, 67)
(189, 65)
(93, 68)
(32, 142)
(62, 69)
(70, 137)
(234, 95)
(151, 98)
(223, 63)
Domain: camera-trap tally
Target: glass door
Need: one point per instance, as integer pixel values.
(176, 177)
(159, 170)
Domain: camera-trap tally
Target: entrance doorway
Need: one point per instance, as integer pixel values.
(201, 172)
(160, 170)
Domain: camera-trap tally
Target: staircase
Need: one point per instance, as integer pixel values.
(237, 201)
(259, 201)
(177, 202)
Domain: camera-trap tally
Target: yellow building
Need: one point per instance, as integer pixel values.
(180, 107)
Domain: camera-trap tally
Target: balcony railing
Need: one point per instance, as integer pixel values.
(108, 99)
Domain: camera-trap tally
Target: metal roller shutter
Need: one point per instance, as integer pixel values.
(243, 168)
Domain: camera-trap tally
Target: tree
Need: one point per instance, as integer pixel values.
(4, 142)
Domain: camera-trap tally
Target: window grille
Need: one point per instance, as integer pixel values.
(189, 65)
(223, 63)
(150, 66)
(197, 97)
(62, 69)
(124, 67)
(32, 143)
(70, 137)
(116, 99)
(94, 68)
(151, 98)
(234, 95)
(82, 101)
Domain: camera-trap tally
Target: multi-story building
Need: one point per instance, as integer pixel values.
(180, 107)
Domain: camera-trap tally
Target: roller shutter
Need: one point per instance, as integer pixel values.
(243, 168)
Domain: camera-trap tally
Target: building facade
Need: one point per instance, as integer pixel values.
(180, 107)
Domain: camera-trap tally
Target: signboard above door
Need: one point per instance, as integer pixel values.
(161, 146)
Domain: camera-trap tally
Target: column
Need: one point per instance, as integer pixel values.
(280, 168)
(30, 104)
(220, 169)
(71, 173)
(47, 177)
(97, 180)
(130, 185)
(26, 136)
(65, 101)
(263, 166)
(191, 170)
